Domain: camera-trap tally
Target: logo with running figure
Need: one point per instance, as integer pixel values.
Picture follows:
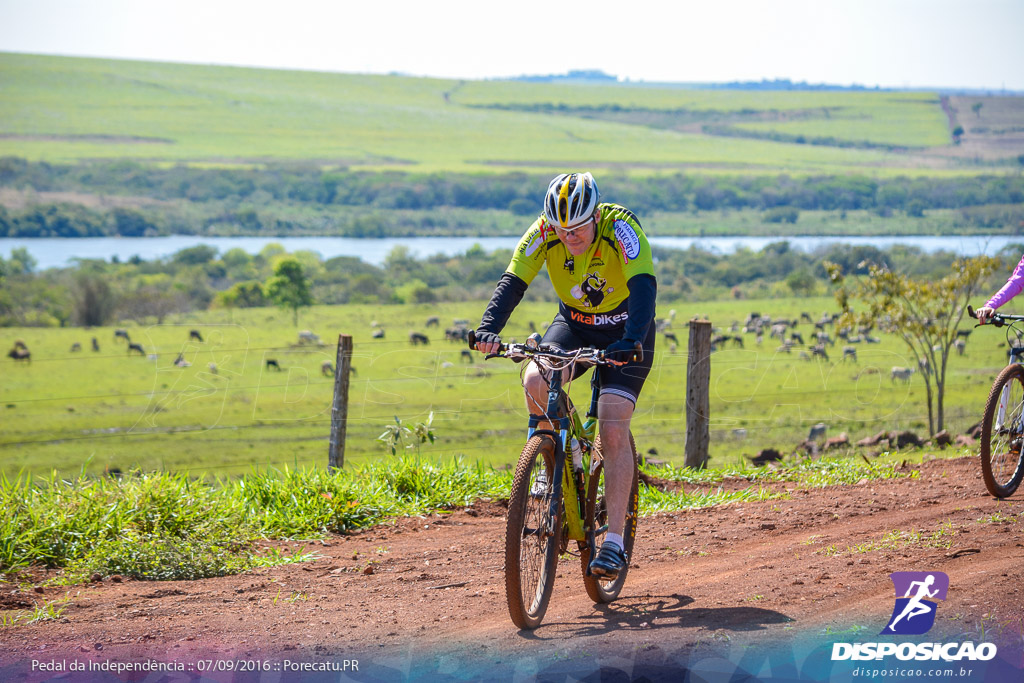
(917, 594)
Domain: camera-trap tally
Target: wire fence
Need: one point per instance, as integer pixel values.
(435, 372)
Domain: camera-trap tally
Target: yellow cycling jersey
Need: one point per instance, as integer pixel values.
(592, 286)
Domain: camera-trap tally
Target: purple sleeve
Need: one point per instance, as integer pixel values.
(1012, 288)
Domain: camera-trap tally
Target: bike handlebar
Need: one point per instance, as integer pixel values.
(997, 319)
(588, 356)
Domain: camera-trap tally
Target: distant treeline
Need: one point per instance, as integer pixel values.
(96, 292)
(305, 199)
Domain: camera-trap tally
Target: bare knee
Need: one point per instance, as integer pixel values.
(615, 413)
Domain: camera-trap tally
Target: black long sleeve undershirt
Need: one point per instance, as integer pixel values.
(507, 295)
(643, 291)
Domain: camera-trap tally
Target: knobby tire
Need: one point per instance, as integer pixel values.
(531, 551)
(597, 517)
(1002, 464)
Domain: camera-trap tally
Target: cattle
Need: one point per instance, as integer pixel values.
(76, 347)
(850, 352)
(433, 321)
(272, 363)
(817, 432)
(456, 334)
(804, 355)
(765, 456)
(925, 366)
(20, 354)
(872, 340)
(737, 341)
(460, 322)
(307, 337)
(327, 369)
(212, 367)
(670, 336)
(806, 317)
(672, 347)
(960, 345)
(466, 355)
(137, 348)
(194, 334)
(95, 344)
(122, 334)
(181, 362)
(964, 333)
(417, 338)
(819, 350)
(903, 374)
(447, 364)
(796, 337)
(378, 333)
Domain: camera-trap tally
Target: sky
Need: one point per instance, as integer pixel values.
(887, 43)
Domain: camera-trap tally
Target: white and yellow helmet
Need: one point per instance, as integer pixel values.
(571, 200)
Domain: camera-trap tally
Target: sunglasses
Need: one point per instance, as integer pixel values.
(569, 232)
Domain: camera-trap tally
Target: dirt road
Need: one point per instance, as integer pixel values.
(424, 598)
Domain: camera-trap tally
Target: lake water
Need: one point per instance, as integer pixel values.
(55, 252)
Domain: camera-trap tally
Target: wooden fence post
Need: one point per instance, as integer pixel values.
(339, 408)
(698, 404)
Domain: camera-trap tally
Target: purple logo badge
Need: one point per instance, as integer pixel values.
(916, 596)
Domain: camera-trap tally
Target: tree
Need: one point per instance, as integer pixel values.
(958, 134)
(289, 287)
(925, 315)
(801, 282)
(976, 108)
(94, 301)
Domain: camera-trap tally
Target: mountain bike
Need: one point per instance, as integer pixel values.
(558, 492)
(1002, 428)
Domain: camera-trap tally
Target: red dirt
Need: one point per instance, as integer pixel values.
(750, 572)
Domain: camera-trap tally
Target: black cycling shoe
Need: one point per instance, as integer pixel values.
(609, 562)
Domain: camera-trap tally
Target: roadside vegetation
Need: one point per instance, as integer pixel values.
(163, 526)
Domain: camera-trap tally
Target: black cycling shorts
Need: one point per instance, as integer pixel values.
(624, 380)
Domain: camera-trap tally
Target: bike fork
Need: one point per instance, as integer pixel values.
(556, 495)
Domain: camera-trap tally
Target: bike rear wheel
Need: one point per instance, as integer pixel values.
(532, 537)
(601, 591)
(1002, 433)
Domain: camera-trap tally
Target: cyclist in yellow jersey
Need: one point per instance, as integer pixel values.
(600, 264)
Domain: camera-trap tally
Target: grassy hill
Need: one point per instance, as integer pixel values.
(63, 109)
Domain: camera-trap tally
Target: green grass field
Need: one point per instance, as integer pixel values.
(68, 411)
(71, 109)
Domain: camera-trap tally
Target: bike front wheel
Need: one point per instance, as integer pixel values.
(532, 534)
(601, 591)
(1002, 432)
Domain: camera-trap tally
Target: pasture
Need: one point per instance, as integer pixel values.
(61, 109)
(96, 411)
